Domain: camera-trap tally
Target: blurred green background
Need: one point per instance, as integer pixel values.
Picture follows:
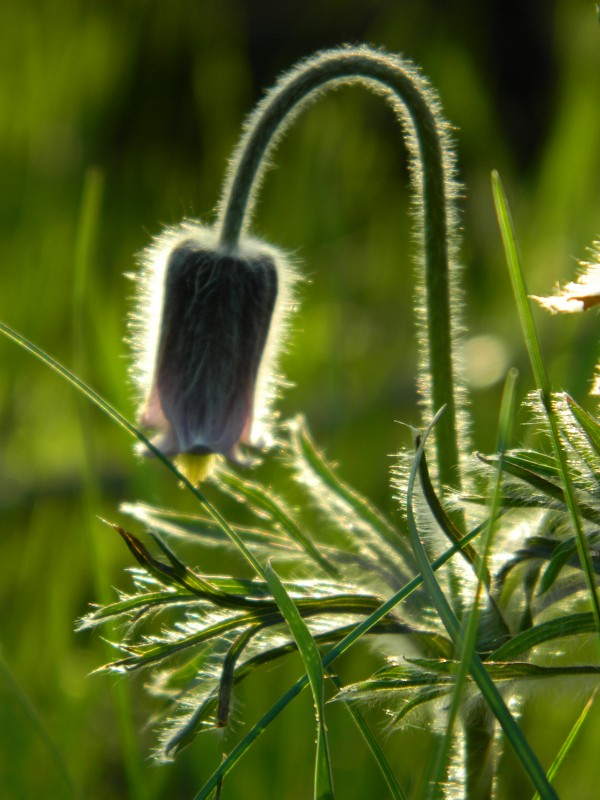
(142, 103)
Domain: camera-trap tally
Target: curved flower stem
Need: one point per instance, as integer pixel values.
(433, 182)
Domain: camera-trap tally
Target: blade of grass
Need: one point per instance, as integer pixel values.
(200, 526)
(372, 743)
(309, 652)
(490, 693)
(470, 624)
(569, 742)
(542, 382)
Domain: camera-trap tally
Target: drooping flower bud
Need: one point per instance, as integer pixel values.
(208, 325)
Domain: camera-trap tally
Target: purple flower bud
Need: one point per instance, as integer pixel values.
(208, 323)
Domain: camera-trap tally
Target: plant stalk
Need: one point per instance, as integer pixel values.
(432, 173)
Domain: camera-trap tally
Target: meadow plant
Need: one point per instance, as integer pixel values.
(467, 601)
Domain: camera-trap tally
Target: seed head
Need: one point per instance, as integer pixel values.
(207, 329)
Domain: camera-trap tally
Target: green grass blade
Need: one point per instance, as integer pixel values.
(445, 522)
(309, 652)
(373, 745)
(541, 379)
(569, 742)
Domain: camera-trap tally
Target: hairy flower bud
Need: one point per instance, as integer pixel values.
(209, 322)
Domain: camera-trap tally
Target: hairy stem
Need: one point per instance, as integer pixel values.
(432, 176)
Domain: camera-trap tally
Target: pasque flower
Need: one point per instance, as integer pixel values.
(207, 328)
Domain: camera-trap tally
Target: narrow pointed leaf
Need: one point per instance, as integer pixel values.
(314, 670)
(373, 745)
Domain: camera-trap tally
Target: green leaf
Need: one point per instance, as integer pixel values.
(228, 674)
(422, 697)
(530, 581)
(309, 652)
(136, 605)
(436, 674)
(392, 680)
(563, 552)
(540, 463)
(510, 670)
(174, 574)
(142, 655)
